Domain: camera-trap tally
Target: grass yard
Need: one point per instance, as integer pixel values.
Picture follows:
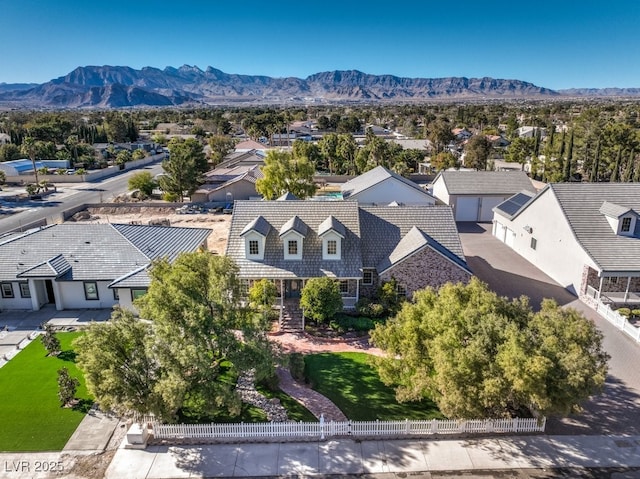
(31, 418)
(355, 387)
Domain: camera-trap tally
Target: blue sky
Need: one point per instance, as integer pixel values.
(556, 44)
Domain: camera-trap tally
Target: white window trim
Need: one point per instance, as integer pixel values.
(331, 236)
(365, 282)
(292, 236)
(253, 236)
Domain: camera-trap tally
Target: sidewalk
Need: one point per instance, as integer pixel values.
(346, 456)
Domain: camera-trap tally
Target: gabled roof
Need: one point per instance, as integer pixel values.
(311, 213)
(51, 268)
(294, 224)
(287, 197)
(373, 177)
(331, 224)
(410, 244)
(581, 204)
(513, 205)
(485, 182)
(385, 227)
(138, 278)
(259, 225)
(250, 145)
(92, 252)
(613, 210)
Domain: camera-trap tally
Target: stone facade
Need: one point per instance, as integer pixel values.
(423, 269)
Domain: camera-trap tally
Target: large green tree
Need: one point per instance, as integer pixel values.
(181, 360)
(142, 181)
(184, 167)
(477, 152)
(201, 333)
(283, 173)
(482, 356)
(220, 146)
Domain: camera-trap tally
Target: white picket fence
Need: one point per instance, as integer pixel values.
(618, 321)
(324, 429)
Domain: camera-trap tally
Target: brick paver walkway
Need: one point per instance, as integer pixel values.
(315, 402)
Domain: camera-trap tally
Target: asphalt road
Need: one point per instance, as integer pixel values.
(70, 195)
(616, 409)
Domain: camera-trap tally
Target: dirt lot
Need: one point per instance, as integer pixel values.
(218, 223)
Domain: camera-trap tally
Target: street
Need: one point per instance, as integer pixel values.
(70, 195)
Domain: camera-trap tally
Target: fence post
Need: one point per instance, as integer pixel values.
(406, 426)
(434, 426)
(322, 427)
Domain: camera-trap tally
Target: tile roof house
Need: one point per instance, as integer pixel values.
(586, 236)
(474, 194)
(381, 186)
(86, 265)
(224, 185)
(290, 242)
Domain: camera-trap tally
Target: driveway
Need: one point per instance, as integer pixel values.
(616, 409)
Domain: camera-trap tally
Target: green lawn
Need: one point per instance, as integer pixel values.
(355, 387)
(31, 418)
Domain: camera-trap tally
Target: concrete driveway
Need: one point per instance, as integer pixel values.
(617, 409)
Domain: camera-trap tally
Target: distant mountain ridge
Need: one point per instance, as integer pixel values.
(120, 86)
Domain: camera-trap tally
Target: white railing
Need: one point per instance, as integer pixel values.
(618, 321)
(322, 429)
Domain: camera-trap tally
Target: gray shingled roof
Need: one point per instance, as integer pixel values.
(511, 206)
(51, 268)
(485, 182)
(613, 210)
(312, 213)
(384, 227)
(138, 278)
(331, 223)
(259, 225)
(410, 243)
(373, 177)
(294, 224)
(94, 252)
(581, 204)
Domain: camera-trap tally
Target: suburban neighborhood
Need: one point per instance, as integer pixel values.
(270, 299)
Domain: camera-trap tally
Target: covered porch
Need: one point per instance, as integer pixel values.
(616, 288)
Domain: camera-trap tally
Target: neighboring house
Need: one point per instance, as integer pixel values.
(586, 236)
(461, 134)
(497, 141)
(25, 166)
(474, 194)
(86, 265)
(249, 145)
(290, 242)
(382, 187)
(531, 131)
(229, 184)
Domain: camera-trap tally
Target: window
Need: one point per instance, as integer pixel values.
(138, 293)
(253, 248)
(91, 291)
(332, 247)
(25, 292)
(626, 225)
(534, 243)
(292, 247)
(613, 280)
(244, 287)
(401, 291)
(344, 286)
(116, 294)
(367, 277)
(7, 290)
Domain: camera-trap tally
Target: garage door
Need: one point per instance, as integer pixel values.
(510, 238)
(486, 208)
(500, 231)
(467, 208)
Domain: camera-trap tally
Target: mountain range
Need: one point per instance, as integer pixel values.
(121, 87)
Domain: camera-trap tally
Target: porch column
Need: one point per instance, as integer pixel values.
(281, 302)
(357, 289)
(57, 295)
(35, 299)
(626, 293)
(600, 287)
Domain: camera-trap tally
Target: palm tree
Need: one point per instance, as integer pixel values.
(29, 148)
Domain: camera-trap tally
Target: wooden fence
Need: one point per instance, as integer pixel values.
(322, 429)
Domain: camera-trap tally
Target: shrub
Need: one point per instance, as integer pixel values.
(366, 307)
(321, 299)
(296, 366)
(626, 312)
(636, 313)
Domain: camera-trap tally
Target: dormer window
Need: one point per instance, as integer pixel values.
(293, 233)
(332, 233)
(254, 235)
(622, 219)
